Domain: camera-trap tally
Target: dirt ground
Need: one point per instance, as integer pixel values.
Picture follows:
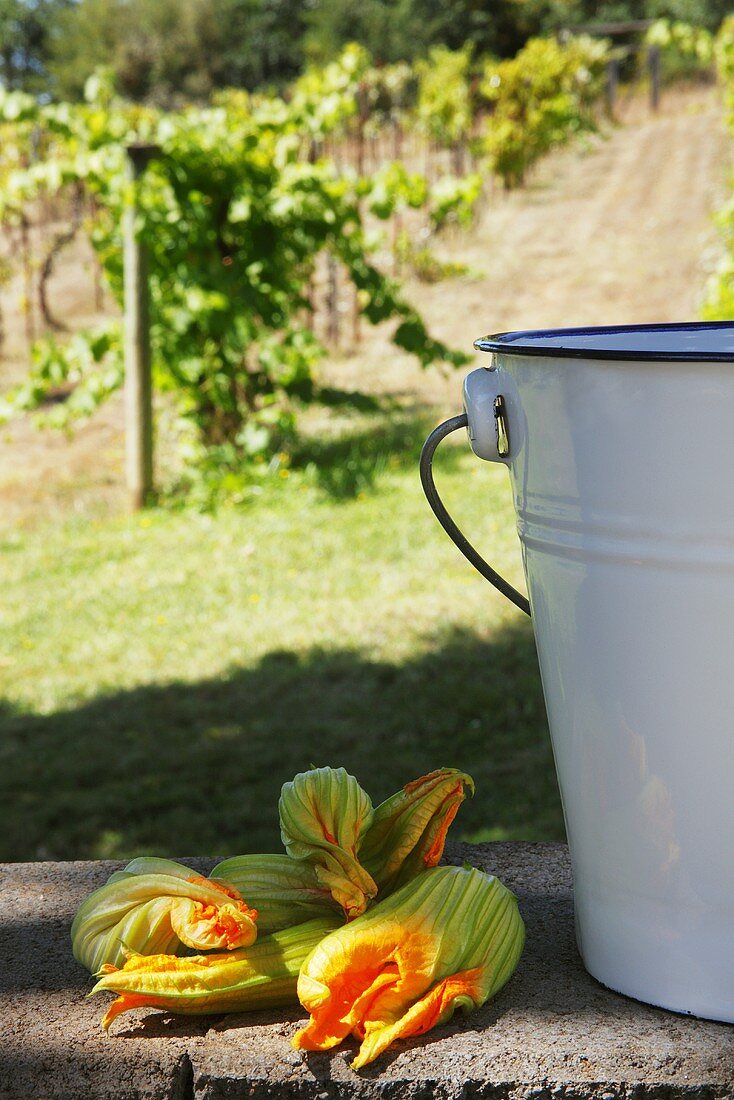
(618, 230)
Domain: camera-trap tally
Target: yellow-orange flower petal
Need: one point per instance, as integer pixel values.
(462, 990)
(408, 830)
(260, 976)
(157, 906)
(448, 939)
(324, 814)
(213, 927)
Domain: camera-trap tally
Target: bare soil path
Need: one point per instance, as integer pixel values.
(618, 231)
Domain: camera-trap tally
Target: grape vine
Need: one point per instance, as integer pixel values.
(250, 192)
(233, 217)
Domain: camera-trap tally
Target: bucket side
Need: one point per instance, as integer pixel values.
(622, 477)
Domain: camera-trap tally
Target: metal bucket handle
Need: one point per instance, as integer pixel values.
(439, 509)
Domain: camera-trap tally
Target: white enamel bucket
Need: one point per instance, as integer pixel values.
(620, 448)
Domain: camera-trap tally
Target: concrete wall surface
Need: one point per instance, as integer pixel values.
(553, 1033)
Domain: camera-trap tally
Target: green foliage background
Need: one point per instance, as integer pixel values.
(720, 299)
(164, 51)
(236, 207)
(163, 674)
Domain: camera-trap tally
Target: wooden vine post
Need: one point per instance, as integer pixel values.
(612, 83)
(136, 325)
(25, 246)
(653, 61)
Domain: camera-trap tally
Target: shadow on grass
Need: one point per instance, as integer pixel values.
(352, 462)
(189, 768)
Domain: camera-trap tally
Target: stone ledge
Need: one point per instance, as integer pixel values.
(552, 1034)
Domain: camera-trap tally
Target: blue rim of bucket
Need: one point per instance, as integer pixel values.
(515, 343)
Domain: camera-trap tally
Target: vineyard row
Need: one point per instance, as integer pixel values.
(259, 218)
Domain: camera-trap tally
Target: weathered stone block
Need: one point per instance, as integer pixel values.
(552, 1034)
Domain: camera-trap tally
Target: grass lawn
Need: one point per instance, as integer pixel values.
(162, 675)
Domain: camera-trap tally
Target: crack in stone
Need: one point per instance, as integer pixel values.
(183, 1083)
